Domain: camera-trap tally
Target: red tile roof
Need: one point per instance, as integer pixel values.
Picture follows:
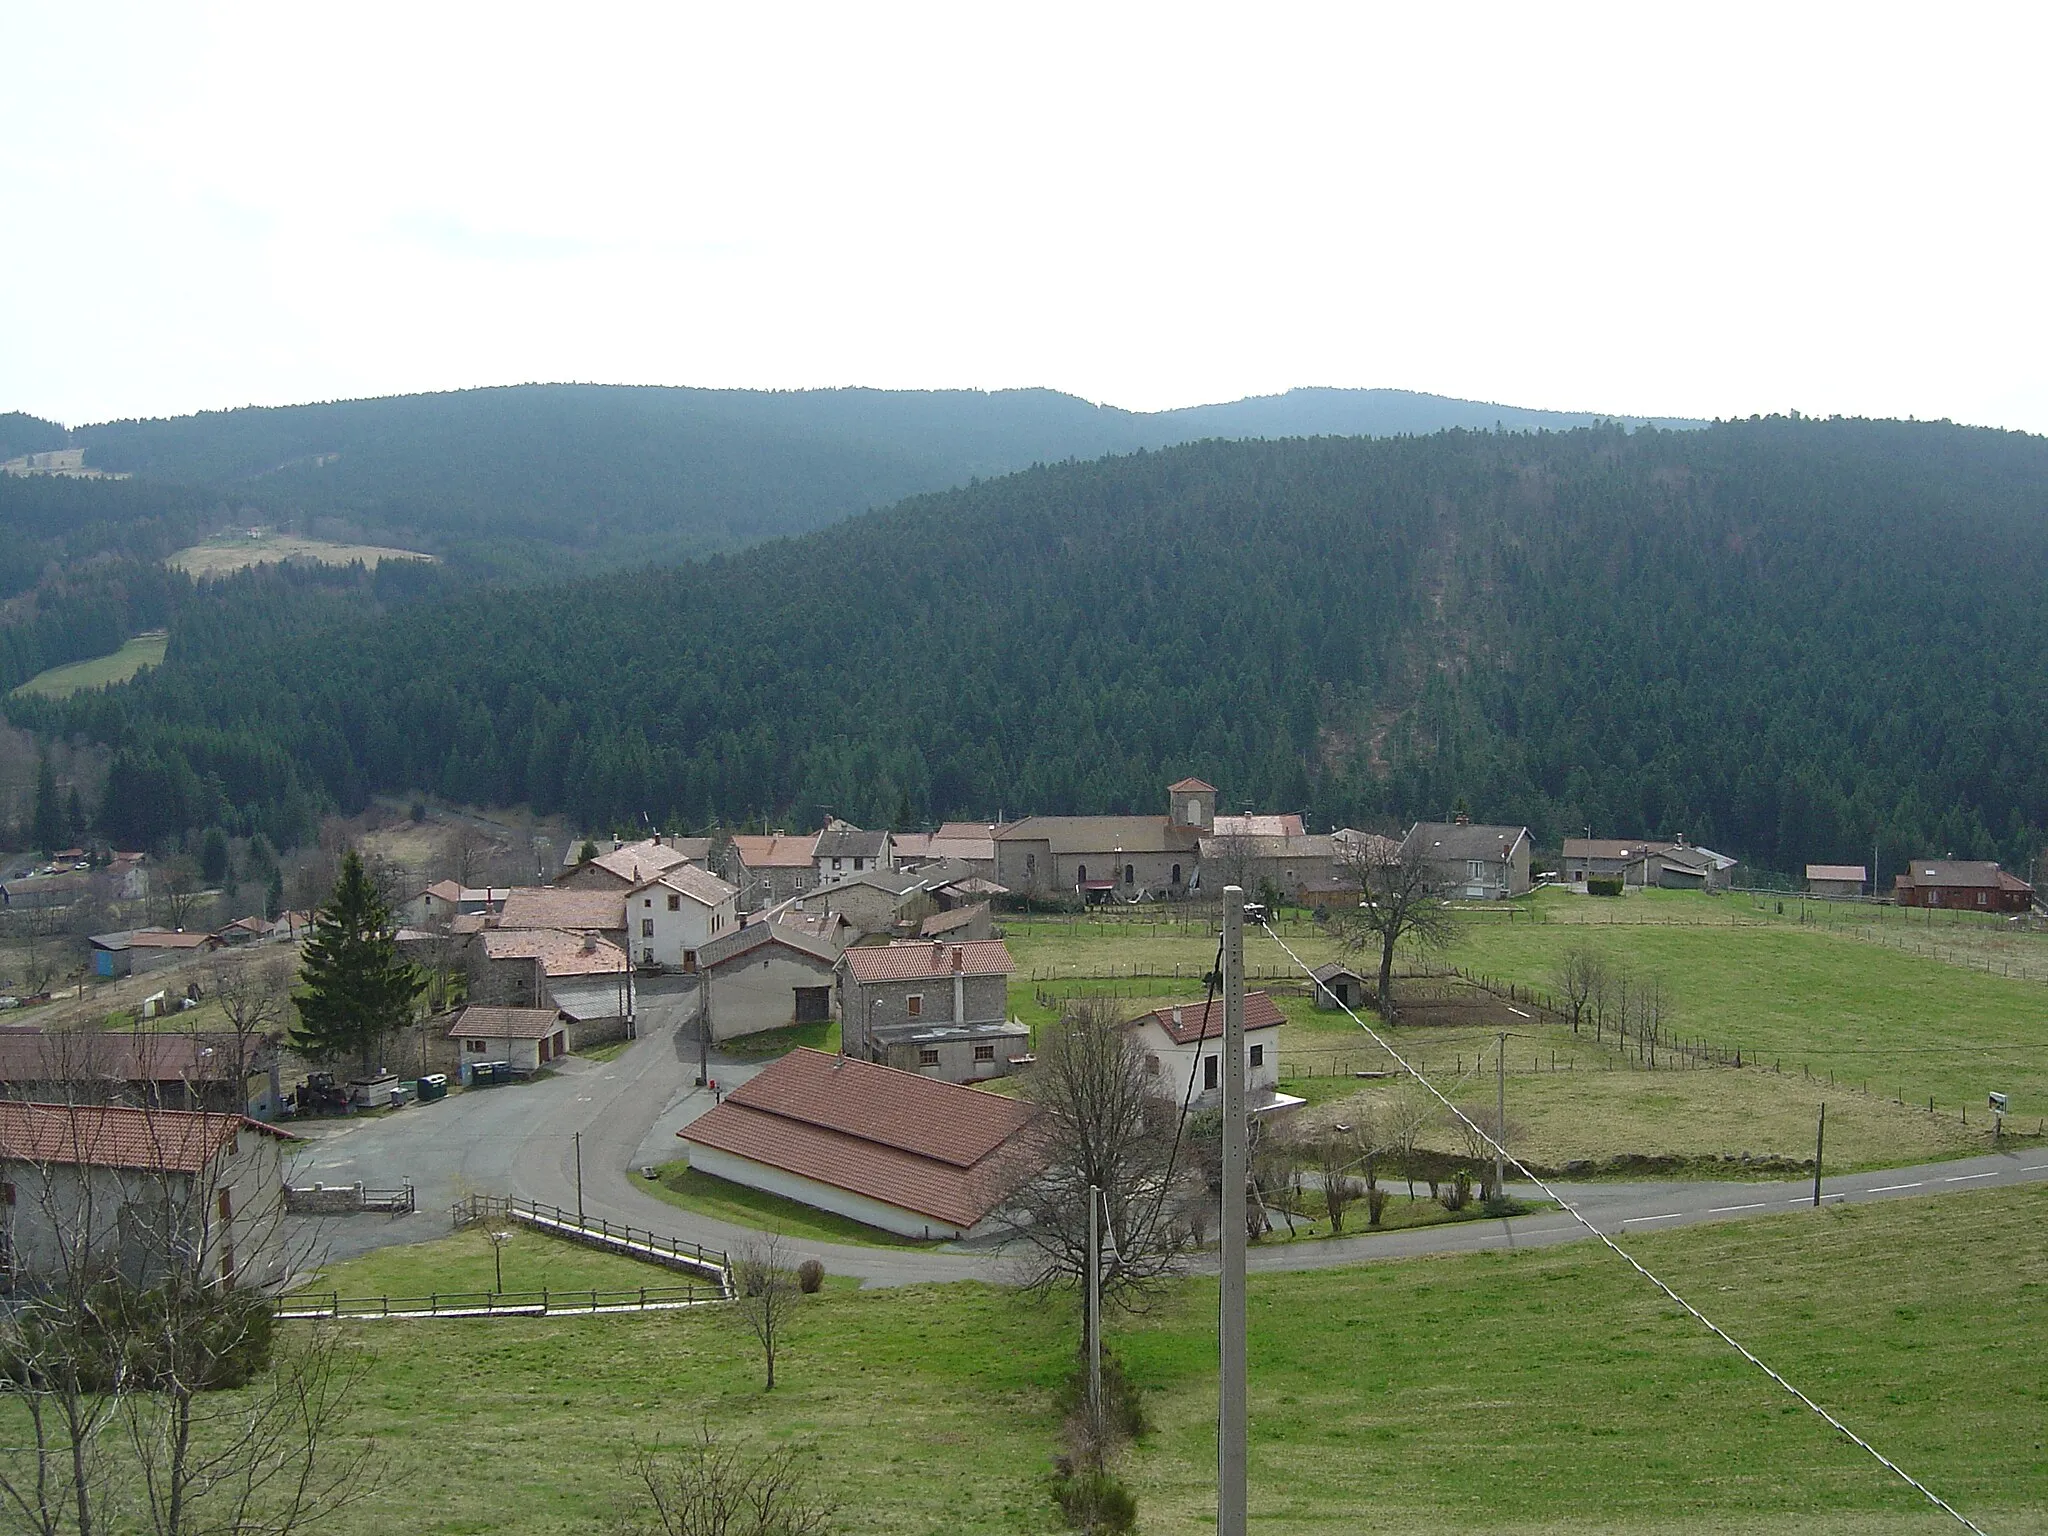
(919, 959)
(1203, 1021)
(559, 953)
(780, 851)
(1190, 784)
(938, 1149)
(505, 1023)
(113, 1136)
(530, 906)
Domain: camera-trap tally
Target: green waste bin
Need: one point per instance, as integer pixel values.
(433, 1086)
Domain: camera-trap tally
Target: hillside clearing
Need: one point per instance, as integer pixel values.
(145, 650)
(222, 556)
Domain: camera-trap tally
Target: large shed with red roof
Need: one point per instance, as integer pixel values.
(887, 1148)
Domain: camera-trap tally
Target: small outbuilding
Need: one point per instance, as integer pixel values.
(886, 1148)
(1339, 986)
(1835, 879)
(529, 1038)
(767, 975)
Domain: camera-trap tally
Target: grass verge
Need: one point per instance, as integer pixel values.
(1539, 1391)
(681, 1185)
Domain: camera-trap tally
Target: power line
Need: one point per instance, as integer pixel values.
(1633, 1263)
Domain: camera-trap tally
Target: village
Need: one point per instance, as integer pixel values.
(832, 998)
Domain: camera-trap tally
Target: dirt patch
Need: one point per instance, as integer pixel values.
(220, 557)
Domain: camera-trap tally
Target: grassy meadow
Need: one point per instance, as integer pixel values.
(141, 651)
(1488, 1393)
(1824, 1007)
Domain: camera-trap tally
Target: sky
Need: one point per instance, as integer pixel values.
(1702, 210)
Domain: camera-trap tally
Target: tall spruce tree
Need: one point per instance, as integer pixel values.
(355, 988)
(49, 822)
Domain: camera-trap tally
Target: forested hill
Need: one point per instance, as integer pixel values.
(1782, 637)
(531, 480)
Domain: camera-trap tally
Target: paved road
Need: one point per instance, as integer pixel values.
(521, 1140)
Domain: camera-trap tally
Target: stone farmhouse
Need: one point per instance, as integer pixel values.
(1472, 863)
(766, 975)
(930, 1007)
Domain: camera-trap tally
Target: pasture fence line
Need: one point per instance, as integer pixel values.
(332, 1306)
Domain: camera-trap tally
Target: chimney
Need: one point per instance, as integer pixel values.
(590, 943)
(1176, 1016)
(959, 960)
(1464, 820)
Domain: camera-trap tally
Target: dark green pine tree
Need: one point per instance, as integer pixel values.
(355, 988)
(74, 815)
(49, 822)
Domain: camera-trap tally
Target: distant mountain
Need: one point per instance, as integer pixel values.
(1371, 413)
(535, 479)
(1781, 637)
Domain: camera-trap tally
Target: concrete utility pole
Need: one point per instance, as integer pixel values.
(1093, 1321)
(579, 1177)
(1231, 1505)
(1500, 1118)
(1820, 1141)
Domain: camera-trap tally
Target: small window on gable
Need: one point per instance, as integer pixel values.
(913, 1005)
(1258, 1055)
(675, 903)
(648, 901)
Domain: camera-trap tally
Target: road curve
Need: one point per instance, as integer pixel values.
(523, 1140)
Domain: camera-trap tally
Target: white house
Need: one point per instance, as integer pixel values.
(528, 1038)
(108, 1189)
(668, 920)
(1183, 1048)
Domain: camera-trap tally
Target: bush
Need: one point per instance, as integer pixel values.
(1094, 1501)
(810, 1275)
(1459, 1195)
(1603, 885)
(1375, 1205)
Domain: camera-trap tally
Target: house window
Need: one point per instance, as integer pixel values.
(1209, 1072)
(6, 1194)
(984, 1053)
(646, 927)
(1980, 898)
(1152, 1063)
(1258, 1055)
(227, 1205)
(476, 1047)
(1194, 815)
(648, 901)
(927, 1056)
(1475, 869)
(675, 903)
(913, 1005)
(647, 957)
(1130, 875)
(689, 959)
(1176, 874)
(856, 864)
(1030, 863)
(835, 864)
(1080, 874)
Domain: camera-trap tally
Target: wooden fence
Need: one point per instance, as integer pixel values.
(333, 1306)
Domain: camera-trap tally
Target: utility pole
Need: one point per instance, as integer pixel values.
(703, 1028)
(1231, 1506)
(1093, 1317)
(579, 1178)
(1500, 1118)
(1820, 1141)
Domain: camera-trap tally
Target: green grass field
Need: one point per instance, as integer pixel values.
(1820, 1009)
(1539, 1391)
(142, 651)
(222, 556)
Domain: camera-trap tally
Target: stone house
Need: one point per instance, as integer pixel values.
(887, 901)
(931, 1007)
(843, 851)
(766, 975)
(766, 869)
(1472, 863)
(627, 866)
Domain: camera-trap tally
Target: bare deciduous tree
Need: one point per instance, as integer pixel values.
(704, 1488)
(1108, 1126)
(765, 1295)
(1400, 897)
(1580, 975)
(1228, 858)
(148, 1391)
(178, 891)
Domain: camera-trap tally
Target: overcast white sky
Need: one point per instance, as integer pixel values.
(1702, 210)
